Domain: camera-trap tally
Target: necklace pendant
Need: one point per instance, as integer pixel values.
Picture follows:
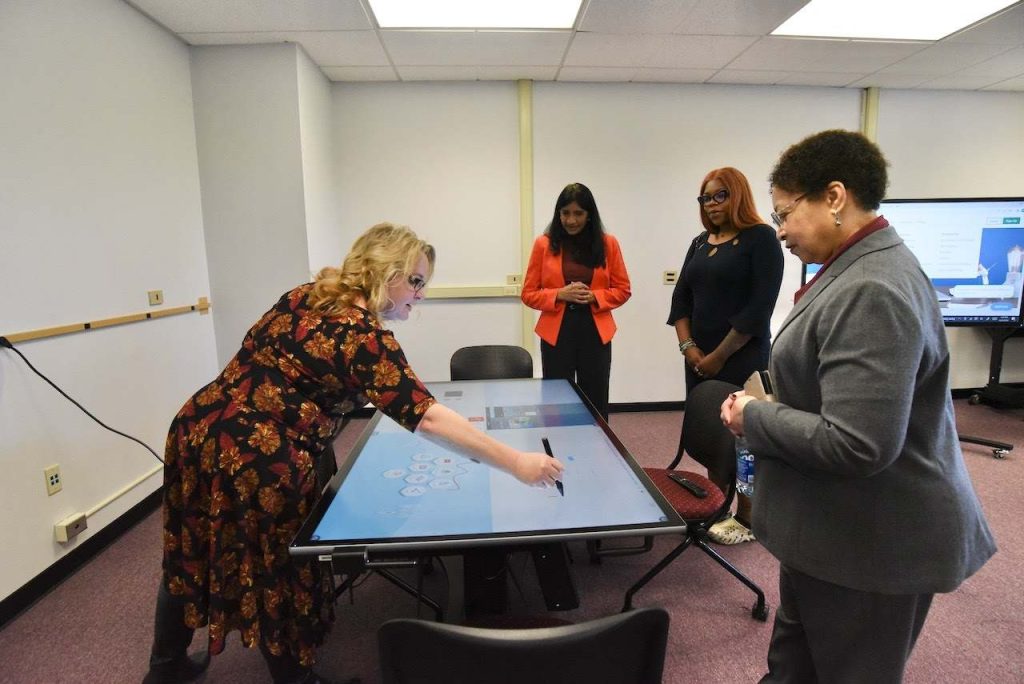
(735, 241)
(713, 252)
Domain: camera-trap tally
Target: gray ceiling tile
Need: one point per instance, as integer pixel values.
(944, 58)
(808, 54)
(645, 75)
(697, 52)
(634, 16)
(738, 17)
(238, 16)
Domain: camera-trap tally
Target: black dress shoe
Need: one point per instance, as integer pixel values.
(314, 678)
(179, 670)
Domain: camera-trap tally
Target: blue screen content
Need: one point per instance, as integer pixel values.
(972, 250)
(403, 486)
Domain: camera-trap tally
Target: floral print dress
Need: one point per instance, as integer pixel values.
(239, 475)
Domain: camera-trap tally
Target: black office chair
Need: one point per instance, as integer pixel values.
(491, 362)
(628, 648)
(708, 442)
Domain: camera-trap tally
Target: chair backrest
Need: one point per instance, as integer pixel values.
(705, 439)
(491, 362)
(628, 648)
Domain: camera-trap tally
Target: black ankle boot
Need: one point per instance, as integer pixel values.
(314, 678)
(169, 662)
(178, 670)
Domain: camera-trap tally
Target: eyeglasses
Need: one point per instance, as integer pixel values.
(717, 198)
(778, 218)
(417, 283)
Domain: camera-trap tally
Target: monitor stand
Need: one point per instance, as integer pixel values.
(999, 449)
(996, 393)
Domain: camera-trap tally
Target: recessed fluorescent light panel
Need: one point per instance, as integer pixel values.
(494, 14)
(887, 19)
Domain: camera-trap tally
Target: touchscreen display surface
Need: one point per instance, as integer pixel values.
(402, 489)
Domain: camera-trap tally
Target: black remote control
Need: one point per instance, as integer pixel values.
(689, 486)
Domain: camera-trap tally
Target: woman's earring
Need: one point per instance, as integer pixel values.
(835, 215)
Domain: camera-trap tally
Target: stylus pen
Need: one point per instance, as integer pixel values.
(547, 450)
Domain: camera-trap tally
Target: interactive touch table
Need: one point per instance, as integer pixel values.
(400, 495)
(399, 492)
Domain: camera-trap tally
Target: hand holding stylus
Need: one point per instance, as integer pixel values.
(547, 450)
(535, 468)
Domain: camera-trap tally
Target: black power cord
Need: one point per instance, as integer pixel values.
(4, 342)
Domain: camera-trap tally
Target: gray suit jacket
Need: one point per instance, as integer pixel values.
(859, 477)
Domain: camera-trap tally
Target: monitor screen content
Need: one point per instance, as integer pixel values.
(971, 249)
(400, 491)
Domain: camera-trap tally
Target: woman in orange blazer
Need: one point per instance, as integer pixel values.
(575, 278)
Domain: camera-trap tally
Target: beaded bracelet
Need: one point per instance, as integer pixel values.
(686, 344)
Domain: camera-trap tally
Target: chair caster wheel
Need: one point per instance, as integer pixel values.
(759, 612)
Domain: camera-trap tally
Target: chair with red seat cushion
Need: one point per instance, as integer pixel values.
(708, 442)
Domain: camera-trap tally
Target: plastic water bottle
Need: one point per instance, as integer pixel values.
(744, 468)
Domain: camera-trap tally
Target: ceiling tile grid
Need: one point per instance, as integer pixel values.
(661, 41)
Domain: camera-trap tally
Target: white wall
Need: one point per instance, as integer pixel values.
(99, 202)
(643, 150)
(326, 244)
(250, 162)
(443, 159)
(953, 144)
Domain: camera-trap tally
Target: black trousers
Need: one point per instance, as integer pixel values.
(579, 355)
(831, 634)
(171, 637)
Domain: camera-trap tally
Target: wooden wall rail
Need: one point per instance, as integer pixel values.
(202, 306)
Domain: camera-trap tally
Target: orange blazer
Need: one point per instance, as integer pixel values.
(544, 278)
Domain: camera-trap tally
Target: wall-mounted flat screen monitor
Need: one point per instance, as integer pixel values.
(971, 249)
(399, 492)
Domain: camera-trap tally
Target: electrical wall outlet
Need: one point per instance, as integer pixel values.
(669, 277)
(54, 483)
(156, 297)
(70, 527)
(514, 279)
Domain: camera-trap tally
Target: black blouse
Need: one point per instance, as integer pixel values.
(731, 285)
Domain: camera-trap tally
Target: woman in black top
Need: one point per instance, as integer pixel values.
(723, 301)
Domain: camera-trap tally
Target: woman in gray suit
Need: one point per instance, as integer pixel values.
(861, 493)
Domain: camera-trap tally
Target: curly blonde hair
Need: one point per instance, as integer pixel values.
(378, 257)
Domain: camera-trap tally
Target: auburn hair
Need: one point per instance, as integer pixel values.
(742, 212)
